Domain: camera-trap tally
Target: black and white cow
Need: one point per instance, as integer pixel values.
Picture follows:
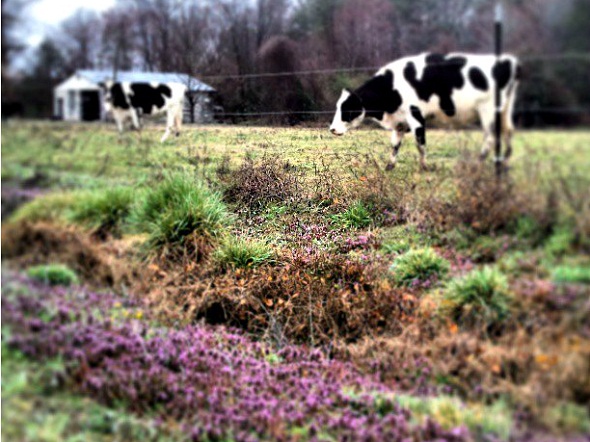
(133, 100)
(455, 88)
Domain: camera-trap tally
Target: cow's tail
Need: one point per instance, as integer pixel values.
(511, 93)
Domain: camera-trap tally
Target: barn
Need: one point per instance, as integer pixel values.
(79, 98)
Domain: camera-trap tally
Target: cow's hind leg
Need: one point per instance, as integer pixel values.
(169, 124)
(396, 142)
(178, 122)
(507, 132)
(417, 125)
(487, 120)
(508, 123)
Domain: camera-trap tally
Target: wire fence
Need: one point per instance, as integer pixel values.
(579, 112)
(526, 58)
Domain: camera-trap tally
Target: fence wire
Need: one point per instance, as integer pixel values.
(577, 57)
(523, 58)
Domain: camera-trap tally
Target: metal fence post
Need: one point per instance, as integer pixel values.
(498, 102)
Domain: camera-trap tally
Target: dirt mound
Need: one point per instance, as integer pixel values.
(99, 264)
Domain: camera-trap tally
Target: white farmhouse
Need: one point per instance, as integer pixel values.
(79, 98)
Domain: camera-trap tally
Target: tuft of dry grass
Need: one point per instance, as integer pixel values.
(97, 263)
(488, 204)
(257, 184)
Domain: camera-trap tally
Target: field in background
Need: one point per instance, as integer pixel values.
(84, 155)
(455, 292)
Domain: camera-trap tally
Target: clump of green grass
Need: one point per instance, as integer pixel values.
(53, 274)
(357, 216)
(449, 412)
(103, 210)
(395, 247)
(419, 265)
(234, 252)
(572, 274)
(178, 207)
(485, 249)
(560, 242)
(51, 207)
(526, 227)
(480, 297)
(569, 418)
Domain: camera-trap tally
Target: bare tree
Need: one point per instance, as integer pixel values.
(80, 39)
(271, 19)
(117, 39)
(12, 11)
(193, 46)
(163, 31)
(364, 32)
(144, 17)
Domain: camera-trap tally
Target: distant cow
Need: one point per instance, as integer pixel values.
(133, 100)
(455, 88)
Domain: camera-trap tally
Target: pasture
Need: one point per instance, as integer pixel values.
(440, 304)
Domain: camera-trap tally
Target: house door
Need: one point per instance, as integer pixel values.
(60, 108)
(90, 105)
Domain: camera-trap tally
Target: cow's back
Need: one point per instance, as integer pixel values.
(451, 87)
(155, 98)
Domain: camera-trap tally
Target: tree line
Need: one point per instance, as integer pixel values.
(223, 41)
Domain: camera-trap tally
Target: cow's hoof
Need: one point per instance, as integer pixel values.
(390, 167)
(426, 167)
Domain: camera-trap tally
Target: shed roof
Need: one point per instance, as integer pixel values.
(193, 84)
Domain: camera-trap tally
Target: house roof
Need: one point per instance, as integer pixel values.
(193, 84)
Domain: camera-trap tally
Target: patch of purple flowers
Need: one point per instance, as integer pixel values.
(218, 383)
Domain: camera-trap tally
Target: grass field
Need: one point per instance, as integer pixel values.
(457, 305)
(88, 154)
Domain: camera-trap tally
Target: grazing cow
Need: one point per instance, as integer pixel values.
(455, 88)
(134, 100)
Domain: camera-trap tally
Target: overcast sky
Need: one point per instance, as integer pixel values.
(44, 15)
(42, 18)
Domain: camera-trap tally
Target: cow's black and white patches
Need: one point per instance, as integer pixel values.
(454, 89)
(417, 115)
(379, 97)
(117, 97)
(352, 108)
(131, 100)
(420, 131)
(501, 73)
(440, 76)
(146, 97)
(478, 79)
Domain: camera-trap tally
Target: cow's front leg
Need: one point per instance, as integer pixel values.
(417, 125)
(119, 122)
(135, 119)
(396, 142)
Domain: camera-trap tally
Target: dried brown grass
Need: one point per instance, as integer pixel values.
(313, 298)
(97, 263)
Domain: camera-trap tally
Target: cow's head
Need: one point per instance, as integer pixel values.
(349, 113)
